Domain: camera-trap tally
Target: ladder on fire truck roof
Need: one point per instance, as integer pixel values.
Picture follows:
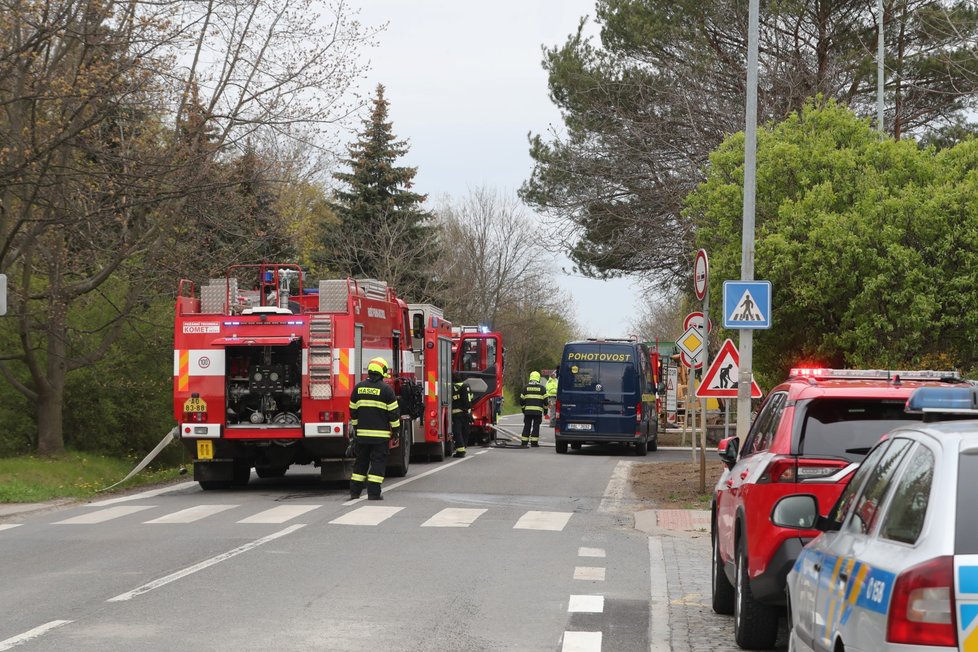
(321, 357)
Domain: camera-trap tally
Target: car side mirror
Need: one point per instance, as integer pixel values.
(728, 449)
(798, 512)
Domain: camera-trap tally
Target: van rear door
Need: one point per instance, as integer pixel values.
(598, 388)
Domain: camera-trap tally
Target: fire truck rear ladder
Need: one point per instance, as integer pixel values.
(321, 357)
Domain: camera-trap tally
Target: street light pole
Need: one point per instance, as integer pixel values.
(747, 237)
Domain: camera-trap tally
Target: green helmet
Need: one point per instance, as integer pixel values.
(534, 376)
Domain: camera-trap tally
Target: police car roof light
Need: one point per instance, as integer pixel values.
(949, 400)
(883, 374)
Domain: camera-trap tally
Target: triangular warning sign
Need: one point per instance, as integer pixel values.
(746, 310)
(722, 377)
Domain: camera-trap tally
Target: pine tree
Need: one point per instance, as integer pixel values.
(383, 230)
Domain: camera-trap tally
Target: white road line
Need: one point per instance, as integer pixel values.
(586, 604)
(454, 517)
(104, 515)
(192, 514)
(367, 516)
(34, 633)
(144, 494)
(280, 514)
(590, 552)
(553, 521)
(7, 526)
(401, 483)
(190, 570)
(589, 573)
(581, 642)
(660, 629)
(614, 493)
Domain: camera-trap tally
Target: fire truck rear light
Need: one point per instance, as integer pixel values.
(323, 430)
(187, 430)
(336, 429)
(195, 417)
(200, 430)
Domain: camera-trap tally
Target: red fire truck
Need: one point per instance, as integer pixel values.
(264, 367)
(479, 360)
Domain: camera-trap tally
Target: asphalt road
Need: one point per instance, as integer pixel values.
(505, 549)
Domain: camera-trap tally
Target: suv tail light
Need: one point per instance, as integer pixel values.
(799, 469)
(922, 607)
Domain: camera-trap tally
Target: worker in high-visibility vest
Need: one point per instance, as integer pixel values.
(533, 402)
(375, 415)
(551, 396)
(461, 413)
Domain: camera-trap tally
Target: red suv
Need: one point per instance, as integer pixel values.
(808, 437)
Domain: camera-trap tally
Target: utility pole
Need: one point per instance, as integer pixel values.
(747, 237)
(880, 72)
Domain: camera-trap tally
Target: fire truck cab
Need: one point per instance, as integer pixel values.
(479, 360)
(264, 367)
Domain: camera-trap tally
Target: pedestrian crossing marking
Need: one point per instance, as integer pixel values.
(746, 309)
(279, 514)
(581, 642)
(7, 526)
(591, 573)
(454, 517)
(104, 515)
(586, 604)
(554, 521)
(590, 552)
(192, 514)
(369, 515)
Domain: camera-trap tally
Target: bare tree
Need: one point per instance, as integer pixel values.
(109, 133)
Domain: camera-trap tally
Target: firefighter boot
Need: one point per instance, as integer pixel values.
(374, 497)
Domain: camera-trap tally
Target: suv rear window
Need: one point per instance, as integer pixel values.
(849, 428)
(966, 539)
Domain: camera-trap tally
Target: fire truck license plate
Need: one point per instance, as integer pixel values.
(205, 449)
(194, 404)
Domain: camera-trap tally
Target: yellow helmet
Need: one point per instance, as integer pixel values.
(378, 365)
(534, 375)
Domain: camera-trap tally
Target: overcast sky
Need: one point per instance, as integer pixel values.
(465, 86)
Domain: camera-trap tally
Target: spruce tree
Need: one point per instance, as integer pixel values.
(383, 230)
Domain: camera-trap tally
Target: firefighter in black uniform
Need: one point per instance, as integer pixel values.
(461, 413)
(375, 415)
(533, 402)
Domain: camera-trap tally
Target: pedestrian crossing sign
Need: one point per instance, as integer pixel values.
(747, 304)
(723, 376)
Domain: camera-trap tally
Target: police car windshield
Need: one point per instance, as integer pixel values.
(848, 428)
(966, 537)
(607, 369)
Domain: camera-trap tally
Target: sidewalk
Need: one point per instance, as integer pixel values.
(680, 557)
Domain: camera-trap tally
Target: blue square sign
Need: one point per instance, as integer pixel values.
(747, 304)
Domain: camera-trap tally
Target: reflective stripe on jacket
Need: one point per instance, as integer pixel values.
(534, 398)
(373, 409)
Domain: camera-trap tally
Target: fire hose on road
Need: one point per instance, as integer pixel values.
(170, 436)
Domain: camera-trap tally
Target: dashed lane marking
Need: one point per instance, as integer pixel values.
(589, 573)
(532, 520)
(104, 515)
(7, 526)
(280, 514)
(581, 642)
(368, 515)
(32, 634)
(454, 517)
(192, 514)
(590, 552)
(586, 604)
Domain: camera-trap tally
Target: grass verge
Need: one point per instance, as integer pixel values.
(32, 479)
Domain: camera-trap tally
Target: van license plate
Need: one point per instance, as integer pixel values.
(578, 426)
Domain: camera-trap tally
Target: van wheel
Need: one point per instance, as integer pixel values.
(654, 443)
(561, 446)
(641, 448)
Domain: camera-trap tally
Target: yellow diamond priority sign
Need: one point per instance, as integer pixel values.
(691, 342)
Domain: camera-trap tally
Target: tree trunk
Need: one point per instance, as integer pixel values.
(50, 395)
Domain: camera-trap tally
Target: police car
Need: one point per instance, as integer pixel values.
(896, 565)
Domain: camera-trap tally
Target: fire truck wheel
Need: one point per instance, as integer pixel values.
(402, 458)
(449, 447)
(436, 452)
(242, 473)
